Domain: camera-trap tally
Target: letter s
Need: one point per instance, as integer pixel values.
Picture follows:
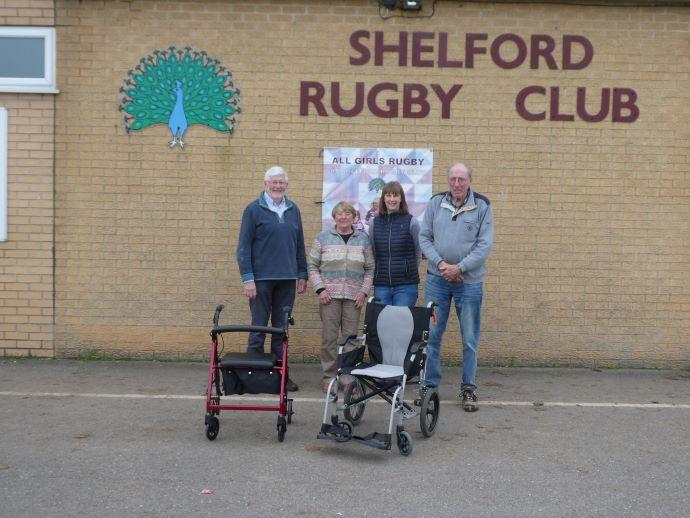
(356, 44)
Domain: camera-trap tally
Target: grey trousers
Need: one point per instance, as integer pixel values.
(338, 318)
(272, 297)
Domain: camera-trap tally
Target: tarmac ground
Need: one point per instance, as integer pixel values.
(115, 439)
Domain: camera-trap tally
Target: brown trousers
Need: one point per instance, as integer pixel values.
(338, 318)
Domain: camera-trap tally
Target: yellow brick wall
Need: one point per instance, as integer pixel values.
(26, 258)
(27, 12)
(591, 248)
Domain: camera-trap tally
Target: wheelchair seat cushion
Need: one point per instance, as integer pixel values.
(247, 360)
(380, 371)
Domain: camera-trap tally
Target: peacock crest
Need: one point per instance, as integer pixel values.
(376, 184)
(180, 88)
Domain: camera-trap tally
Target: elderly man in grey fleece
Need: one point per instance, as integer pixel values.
(456, 237)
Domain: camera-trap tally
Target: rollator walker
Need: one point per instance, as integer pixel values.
(239, 373)
(396, 339)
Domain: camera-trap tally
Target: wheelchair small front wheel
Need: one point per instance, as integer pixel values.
(344, 434)
(428, 415)
(353, 392)
(404, 443)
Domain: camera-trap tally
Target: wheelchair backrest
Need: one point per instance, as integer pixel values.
(390, 330)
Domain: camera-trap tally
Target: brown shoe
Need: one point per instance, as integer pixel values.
(291, 386)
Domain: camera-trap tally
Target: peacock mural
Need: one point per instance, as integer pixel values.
(180, 88)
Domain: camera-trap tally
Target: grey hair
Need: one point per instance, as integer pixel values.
(469, 169)
(276, 170)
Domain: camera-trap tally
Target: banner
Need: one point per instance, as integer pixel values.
(357, 175)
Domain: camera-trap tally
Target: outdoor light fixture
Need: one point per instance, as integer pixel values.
(411, 5)
(405, 5)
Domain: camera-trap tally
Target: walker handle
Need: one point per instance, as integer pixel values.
(289, 320)
(216, 316)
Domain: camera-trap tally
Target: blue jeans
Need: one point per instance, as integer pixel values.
(468, 304)
(403, 295)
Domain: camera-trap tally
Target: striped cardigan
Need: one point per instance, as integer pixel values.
(342, 269)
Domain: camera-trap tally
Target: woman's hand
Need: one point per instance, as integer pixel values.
(324, 297)
(360, 299)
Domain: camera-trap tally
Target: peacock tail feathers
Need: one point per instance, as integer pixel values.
(210, 95)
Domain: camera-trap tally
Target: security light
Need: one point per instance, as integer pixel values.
(411, 5)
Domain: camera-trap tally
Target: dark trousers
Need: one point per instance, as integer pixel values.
(272, 297)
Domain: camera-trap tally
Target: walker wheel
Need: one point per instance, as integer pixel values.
(289, 411)
(354, 391)
(404, 443)
(282, 428)
(212, 427)
(428, 415)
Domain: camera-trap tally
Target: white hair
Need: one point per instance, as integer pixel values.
(276, 170)
(469, 169)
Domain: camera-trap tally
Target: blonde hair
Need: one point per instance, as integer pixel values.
(343, 206)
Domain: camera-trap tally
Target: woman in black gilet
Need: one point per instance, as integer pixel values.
(394, 239)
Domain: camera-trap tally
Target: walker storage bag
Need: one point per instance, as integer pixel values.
(241, 380)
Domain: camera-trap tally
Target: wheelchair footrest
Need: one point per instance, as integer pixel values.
(335, 432)
(382, 441)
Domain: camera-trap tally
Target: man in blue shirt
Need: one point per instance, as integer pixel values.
(271, 259)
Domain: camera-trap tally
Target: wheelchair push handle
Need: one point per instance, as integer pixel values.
(432, 306)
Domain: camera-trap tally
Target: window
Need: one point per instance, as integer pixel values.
(27, 59)
(3, 174)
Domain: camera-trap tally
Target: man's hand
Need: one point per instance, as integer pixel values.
(324, 297)
(450, 272)
(250, 290)
(301, 285)
(359, 299)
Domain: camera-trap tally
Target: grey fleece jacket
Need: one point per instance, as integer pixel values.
(458, 235)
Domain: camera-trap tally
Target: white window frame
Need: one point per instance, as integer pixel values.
(45, 84)
(3, 174)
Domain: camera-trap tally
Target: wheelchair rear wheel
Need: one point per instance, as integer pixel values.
(354, 391)
(428, 415)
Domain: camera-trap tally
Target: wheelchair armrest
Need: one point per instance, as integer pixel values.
(417, 347)
(344, 339)
(414, 359)
(350, 358)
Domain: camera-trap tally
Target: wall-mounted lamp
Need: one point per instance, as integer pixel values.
(405, 5)
(411, 5)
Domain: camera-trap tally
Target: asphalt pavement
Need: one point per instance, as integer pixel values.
(115, 439)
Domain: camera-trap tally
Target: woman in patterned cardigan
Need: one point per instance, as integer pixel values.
(341, 271)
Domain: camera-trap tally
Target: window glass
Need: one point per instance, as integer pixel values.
(22, 57)
(27, 59)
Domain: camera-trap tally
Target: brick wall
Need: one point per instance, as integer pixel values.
(26, 258)
(591, 251)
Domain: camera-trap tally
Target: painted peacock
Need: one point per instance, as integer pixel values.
(179, 88)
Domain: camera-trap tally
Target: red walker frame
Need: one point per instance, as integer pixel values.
(213, 401)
